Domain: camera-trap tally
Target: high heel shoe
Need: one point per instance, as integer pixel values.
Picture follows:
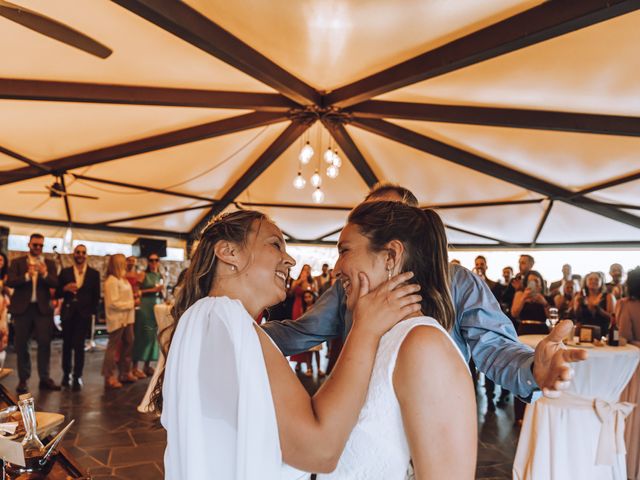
(112, 383)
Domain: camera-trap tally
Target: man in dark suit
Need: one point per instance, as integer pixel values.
(79, 286)
(33, 277)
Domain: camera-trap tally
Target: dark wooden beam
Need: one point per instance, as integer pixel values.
(143, 232)
(350, 149)
(277, 148)
(491, 168)
(139, 187)
(293, 206)
(543, 220)
(46, 90)
(497, 203)
(149, 144)
(540, 23)
(609, 184)
(155, 214)
(193, 27)
(501, 117)
(23, 159)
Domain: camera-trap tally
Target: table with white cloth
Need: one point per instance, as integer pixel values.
(579, 435)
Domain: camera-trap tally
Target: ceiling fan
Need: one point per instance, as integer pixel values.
(57, 190)
(53, 29)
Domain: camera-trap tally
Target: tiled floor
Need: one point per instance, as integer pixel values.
(113, 441)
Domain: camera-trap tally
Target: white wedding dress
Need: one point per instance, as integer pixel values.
(218, 409)
(378, 447)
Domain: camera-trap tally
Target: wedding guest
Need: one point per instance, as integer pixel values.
(304, 283)
(4, 302)
(323, 281)
(79, 287)
(593, 305)
(145, 344)
(530, 303)
(133, 276)
(480, 269)
(525, 263)
(628, 320)
(628, 309)
(308, 299)
(119, 311)
(554, 288)
(616, 286)
(33, 278)
(564, 299)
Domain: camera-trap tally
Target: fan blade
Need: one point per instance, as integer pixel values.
(77, 195)
(53, 29)
(33, 193)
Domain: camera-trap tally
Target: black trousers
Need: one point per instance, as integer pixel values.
(32, 322)
(75, 327)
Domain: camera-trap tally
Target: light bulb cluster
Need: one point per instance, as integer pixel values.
(333, 161)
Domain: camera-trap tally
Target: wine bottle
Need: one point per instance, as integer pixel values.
(613, 338)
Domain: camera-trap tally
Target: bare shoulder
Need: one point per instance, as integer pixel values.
(426, 343)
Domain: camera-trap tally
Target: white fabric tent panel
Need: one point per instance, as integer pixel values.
(305, 224)
(509, 223)
(627, 193)
(67, 128)
(337, 42)
(29, 205)
(432, 179)
(206, 168)
(592, 70)
(572, 160)
(176, 222)
(455, 237)
(567, 224)
(275, 185)
(115, 202)
(143, 54)
(9, 163)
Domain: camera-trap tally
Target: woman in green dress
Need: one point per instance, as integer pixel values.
(145, 344)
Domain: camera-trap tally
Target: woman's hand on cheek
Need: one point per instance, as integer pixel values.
(378, 310)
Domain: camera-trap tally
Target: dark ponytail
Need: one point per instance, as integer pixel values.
(425, 242)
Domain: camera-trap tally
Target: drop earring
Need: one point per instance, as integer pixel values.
(388, 273)
(233, 268)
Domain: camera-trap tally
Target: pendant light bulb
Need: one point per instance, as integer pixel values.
(306, 154)
(336, 160)
(318, 196)
(299, 182)
(316, 179)
(332, 171)
(328, 156)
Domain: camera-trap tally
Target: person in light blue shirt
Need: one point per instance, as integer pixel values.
(481, 330)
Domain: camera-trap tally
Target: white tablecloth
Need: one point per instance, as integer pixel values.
(579, 435)
(632, 428)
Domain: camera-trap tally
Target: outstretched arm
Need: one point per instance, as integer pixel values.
(323, 322)
(313, 431)
(438, 405)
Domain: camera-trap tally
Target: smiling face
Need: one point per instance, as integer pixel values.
(263, 265)
(355, 257)
(80, 255)
(593, 282)
(481, 265)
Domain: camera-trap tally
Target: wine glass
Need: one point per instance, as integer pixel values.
(554, 317)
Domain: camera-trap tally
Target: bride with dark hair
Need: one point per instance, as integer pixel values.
(230, 402)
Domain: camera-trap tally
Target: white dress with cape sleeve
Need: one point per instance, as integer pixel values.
(218, 410)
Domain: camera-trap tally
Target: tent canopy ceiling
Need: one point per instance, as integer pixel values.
(518, 120)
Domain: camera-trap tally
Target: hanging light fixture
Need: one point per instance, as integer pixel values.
(336, 160)
(328, 155)
(316, 179)
(332, 171)
(318, 195)
(299, 182)
(306, 154)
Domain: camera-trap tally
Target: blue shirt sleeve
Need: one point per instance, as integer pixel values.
(324, 321)
(483, 332)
